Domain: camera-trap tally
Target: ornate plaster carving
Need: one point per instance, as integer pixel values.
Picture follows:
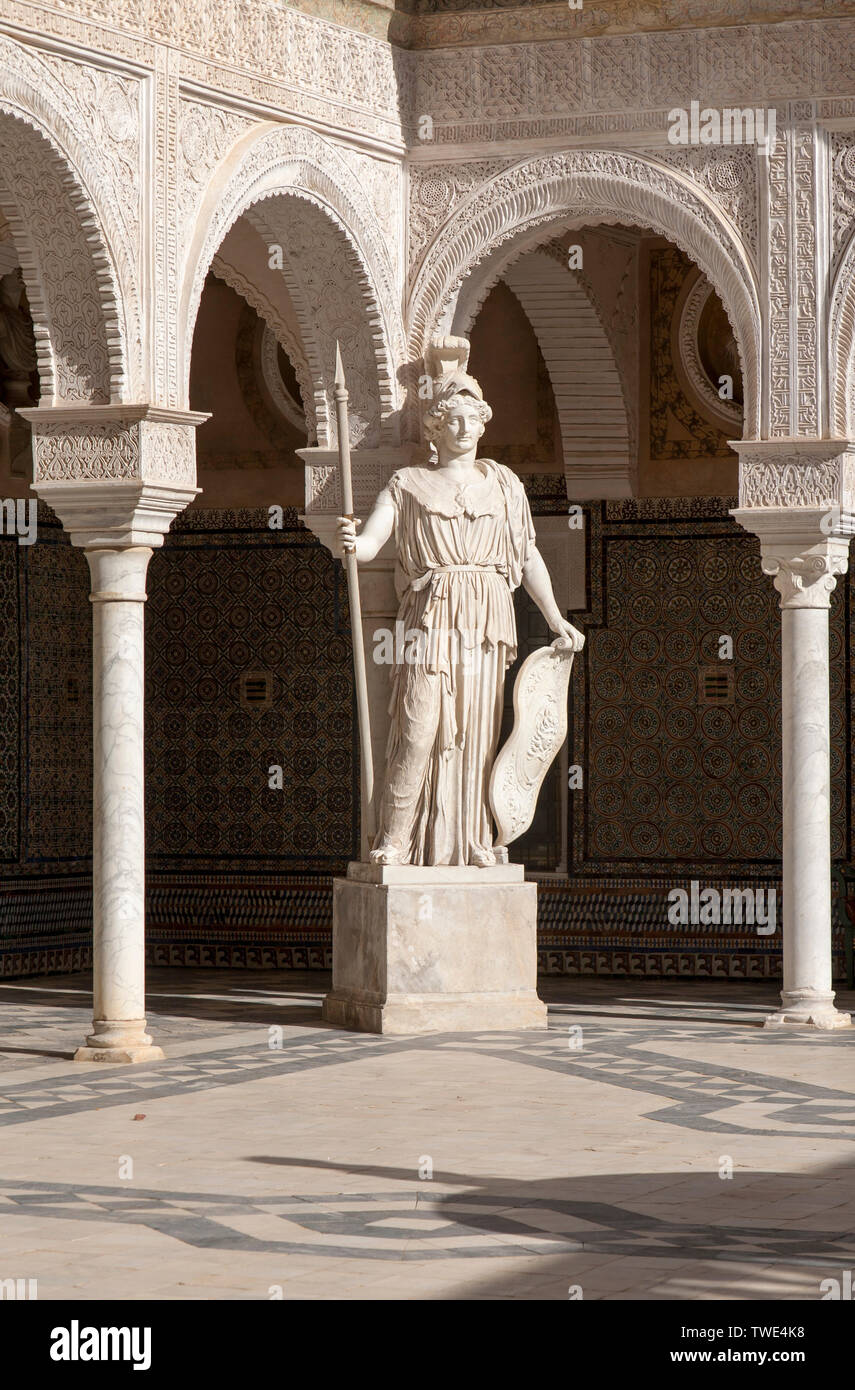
(842, 189)
(841, 342)
(816, 474)
(322, 69)
(436, 190)
(764, 484)
(510, 212)
(372, 469)
(724, 412)
(272, 377)
(322, 280)
(135, 443)
(106, 108)
(440, 22)
(79, 257)
(729, 176)
(280, 328)
(584, 88)
(277, 174)
(383, 182)
(205, 134)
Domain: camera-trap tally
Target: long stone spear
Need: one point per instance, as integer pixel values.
(359, 669)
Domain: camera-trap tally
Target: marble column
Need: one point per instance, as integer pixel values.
(118, 868)
(804, 546)
(117, 476)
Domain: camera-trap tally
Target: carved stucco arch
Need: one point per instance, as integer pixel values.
(278, 178)
(522, 207)
(235, 271)
(84, 314)
(841, 345)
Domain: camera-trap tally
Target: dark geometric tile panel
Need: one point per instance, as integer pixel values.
(240, 874)
(267, 604)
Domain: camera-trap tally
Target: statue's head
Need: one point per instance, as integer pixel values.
(456, 419)
(458, 413)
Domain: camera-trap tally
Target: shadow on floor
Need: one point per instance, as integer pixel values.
(620, 1223)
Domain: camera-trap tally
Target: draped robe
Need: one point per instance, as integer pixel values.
(461, 549)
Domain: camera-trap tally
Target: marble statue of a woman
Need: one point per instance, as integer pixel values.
(465, 540)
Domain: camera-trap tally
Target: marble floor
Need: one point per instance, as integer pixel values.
(272, 1156)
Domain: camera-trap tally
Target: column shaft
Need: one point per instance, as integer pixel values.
(807, 996)
(118, 594)
(807, 798)
(803, 546)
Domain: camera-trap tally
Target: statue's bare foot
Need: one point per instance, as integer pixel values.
(386, 854)
(483, 858)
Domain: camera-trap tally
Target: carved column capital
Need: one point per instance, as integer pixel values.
(807, 580)
(802, 548)
(116, 475)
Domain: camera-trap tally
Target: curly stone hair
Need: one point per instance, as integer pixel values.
(437, 414)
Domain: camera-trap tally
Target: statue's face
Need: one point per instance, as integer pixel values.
(462, 429)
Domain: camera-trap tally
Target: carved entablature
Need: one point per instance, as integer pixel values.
(435, 23)
(588, 88)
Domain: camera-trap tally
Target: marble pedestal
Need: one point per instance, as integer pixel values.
(430, 950)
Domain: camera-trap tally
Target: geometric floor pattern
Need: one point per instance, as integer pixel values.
(654, 1143)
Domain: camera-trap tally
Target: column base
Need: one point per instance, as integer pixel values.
(807, 1009)
(434, 950)
(120, 1041)
(119, 1054)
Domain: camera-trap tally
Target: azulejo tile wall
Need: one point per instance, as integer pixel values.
(239, 873)
(678, 787)
(45, 754)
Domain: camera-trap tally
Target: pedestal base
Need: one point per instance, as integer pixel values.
(807, 1009)
(432, 950)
